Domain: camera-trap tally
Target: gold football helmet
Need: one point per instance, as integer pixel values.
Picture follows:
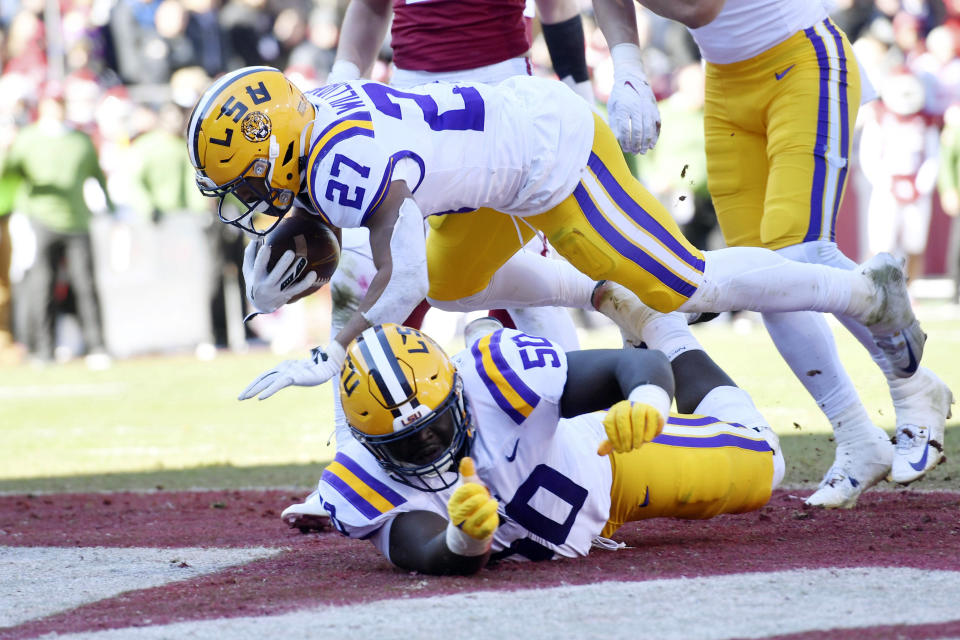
(245, 137)
(404, 402)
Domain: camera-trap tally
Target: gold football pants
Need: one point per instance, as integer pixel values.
(610, 227)
(778, 133)
(697, 468)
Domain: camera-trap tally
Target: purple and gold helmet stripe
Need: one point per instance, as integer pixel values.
(365, 493)
(506, 388)
(387, 374)
(831, 147)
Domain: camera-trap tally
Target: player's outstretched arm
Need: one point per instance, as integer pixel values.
(399, 250)
(690, 13)
(399, 253)
(636, 384)
(426, 542)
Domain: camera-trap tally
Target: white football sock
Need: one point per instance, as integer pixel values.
(748, 278)
(822, 252)
(805, 341)
(670, 334)
(852, 428)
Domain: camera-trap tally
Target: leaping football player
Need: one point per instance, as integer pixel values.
(427, 46)
(505, 160)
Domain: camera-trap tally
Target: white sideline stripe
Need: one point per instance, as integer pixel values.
(61, 390)
(39, 581)
(746, 605)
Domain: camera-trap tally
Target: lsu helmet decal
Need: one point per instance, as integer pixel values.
(404, 402)
(245, 138)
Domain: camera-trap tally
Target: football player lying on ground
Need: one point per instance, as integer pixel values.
(524, 155)
(497, 451)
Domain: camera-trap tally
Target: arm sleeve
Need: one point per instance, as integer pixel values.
(599, 378)
(566, 44)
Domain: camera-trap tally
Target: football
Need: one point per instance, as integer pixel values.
(315, 244)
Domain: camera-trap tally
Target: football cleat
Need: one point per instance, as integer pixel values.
(894, 327)
(698, 317)
(623, 307)
(308, 515)
(854, 470)
(921, 426)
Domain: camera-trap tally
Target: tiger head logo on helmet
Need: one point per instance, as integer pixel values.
(403, 400)
(246, 137)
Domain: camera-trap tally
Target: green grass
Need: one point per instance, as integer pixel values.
(175, 422)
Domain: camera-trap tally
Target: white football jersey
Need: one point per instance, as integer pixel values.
(553, 488)
(518, 147)
(746, 28)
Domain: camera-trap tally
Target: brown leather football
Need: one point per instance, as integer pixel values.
(315, 244)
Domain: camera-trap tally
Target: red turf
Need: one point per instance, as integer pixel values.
(886, 529)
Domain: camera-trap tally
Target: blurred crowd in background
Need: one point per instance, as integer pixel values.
(94, 95)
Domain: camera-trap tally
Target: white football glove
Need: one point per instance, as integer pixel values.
(265, 289)
(322, 365)
(632, 107)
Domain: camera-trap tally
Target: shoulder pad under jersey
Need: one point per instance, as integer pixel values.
(348, 172)
(517, 370)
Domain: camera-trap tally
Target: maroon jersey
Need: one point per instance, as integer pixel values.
(451, 35)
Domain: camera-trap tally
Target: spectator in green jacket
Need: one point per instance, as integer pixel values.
(53, 161)
(164, 177)
(165, 180)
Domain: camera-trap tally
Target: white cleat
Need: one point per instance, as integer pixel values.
(921, 425)
(894, 326)
(308, 515)
(855, 469)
